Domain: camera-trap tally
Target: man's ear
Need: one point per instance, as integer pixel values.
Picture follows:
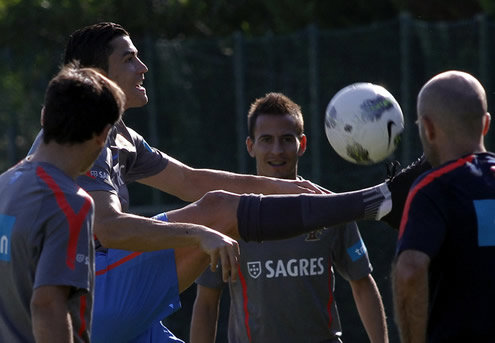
(486, 123)
(303, 141)
(101, 138)
(249, 146)
(42, 116)
(429, 128)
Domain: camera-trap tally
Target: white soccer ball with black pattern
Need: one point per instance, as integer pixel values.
(364, 123)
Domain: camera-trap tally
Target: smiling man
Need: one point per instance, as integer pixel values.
(285, 289)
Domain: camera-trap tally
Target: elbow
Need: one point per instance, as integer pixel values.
(411, 268)
(364, 285)
(106, 234)
(48, 298)
(102, 235)
(404, 277)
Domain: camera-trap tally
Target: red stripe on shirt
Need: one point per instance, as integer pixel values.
(90, 175)
(82, 312)
(117, 263)
(424, 182)
(242, 279)
(74, 219)
(330, 296)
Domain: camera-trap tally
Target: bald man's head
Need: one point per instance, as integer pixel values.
(455, 99)
(452, 116)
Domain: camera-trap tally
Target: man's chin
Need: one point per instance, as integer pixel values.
(137, 103)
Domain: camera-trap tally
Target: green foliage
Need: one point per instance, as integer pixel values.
(488, 7)
(33, 33)
(53, 20)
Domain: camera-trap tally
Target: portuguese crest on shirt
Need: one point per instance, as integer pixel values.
(314, 235)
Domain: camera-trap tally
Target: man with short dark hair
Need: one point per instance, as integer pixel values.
(286, 288)
(46, 219)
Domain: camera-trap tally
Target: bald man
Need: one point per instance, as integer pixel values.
(443, 278)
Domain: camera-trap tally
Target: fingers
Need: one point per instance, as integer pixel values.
(229, 257)
(323, 190)
(214, 261)
(225, 249)
(310, 187)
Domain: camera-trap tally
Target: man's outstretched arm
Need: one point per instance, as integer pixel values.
(191, 184)
(275, 217)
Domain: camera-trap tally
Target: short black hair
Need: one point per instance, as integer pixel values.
(274, 104)
(91, 47)
(79, 103)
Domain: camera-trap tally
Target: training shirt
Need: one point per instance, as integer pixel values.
(285, 288)
(450, 216)
(46, 239)
(125, 158)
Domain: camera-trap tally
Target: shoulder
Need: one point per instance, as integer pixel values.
(337, 231)
(122, 131)
(57, 184)
(439, 181)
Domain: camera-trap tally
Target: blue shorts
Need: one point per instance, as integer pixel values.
(134, 291)
(158, 333)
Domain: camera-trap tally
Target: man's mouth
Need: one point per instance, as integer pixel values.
(139, 85)
(277, 163)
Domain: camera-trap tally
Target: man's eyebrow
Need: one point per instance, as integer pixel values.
(129, 52)
(265, 135)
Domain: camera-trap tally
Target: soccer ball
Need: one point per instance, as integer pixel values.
(364, 123)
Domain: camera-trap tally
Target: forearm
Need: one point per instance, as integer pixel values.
(52, 326)
(410, 315)
(410, 292)
(191, 184)
(205, 315)
(131, 232)
(50, 315)
(207, 180)
(370, 308)
(203, 330)
(276, 217)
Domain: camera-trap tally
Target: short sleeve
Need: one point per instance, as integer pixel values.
(349, 253)
(65, 250)
(99, 178)
(424, 228)
(211, 279)
(149, 161)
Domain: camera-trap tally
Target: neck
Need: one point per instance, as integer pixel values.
(452, 153)
(65, 157)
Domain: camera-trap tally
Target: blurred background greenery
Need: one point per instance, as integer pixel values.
(209, 60)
